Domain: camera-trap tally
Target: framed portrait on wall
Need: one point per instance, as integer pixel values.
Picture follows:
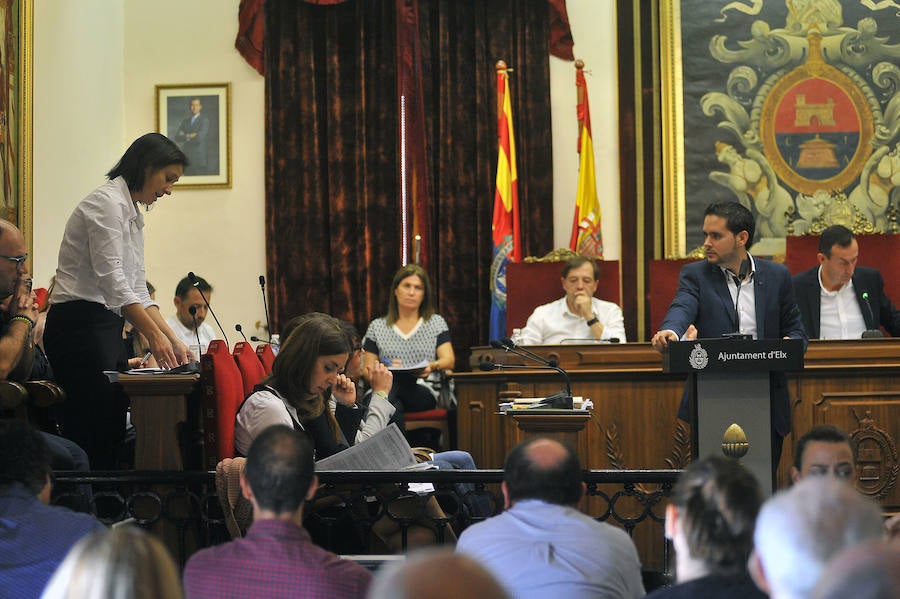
(15, 114)
(790, 108)
(197, 117)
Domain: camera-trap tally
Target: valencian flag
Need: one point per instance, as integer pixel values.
(505, 224)
(587, 239)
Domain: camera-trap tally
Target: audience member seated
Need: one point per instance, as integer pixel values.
(800, 529)
(188, 326)
(296, 394)
(20, 359)
(710, 523)
(837, 298)
(411, 333)
(542, 546)
(123, 563)
(824, 450)
(577, 316)
(277, 557)
(867, 571)
(436, 574)
(34, 536)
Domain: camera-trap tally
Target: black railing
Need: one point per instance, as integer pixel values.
(362, 512)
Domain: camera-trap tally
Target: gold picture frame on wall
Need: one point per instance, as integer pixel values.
(15, 114)
(197, 117)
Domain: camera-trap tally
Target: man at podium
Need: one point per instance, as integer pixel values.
(731, 292)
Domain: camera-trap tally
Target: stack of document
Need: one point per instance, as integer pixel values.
(532, 403)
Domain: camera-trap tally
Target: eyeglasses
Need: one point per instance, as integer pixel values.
(19, 260)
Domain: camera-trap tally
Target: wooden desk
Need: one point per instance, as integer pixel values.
(159, 408)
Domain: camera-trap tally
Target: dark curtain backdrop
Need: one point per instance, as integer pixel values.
(332, 186)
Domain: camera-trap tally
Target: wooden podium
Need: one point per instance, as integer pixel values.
(730, 395)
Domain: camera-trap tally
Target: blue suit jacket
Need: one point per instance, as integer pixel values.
(703, 300)
(868, 280)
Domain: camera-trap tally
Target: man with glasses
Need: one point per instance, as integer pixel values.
(19, 317)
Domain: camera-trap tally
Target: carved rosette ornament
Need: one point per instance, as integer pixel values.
(876, 458)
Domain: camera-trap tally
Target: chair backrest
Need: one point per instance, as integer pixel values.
(663, 283)
(223, 392)
(266, 356)
(252, 371)
(531, 284)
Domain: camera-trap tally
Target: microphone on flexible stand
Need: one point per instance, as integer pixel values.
(193, 311)
(262, 287)
(256, 339)
(870, 333)
(742, 274)
(560, 399)
(193, 279)
(239, 329)
(507, 345)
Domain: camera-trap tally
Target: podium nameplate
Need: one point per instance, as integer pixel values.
(733, 355)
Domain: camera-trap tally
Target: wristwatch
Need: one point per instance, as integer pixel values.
(593, 321)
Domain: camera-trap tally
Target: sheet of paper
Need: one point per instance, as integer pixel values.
(386, 450)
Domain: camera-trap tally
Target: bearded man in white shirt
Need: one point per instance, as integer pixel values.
(577, 316)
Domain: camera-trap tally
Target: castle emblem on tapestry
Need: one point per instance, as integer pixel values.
(808, 118)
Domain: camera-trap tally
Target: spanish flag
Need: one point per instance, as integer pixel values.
(587, 238)
(505, 224)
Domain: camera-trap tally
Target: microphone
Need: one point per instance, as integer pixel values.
(256, 339)
(508, 345)
(193, 279)
(742, 274)
(237, 328)
(193, 311)
(262, 287)
(560, 399)
(870, 333)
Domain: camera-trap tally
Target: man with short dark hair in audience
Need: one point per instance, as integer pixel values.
(837, 298)
(277, 557)
(800, 529)
(578, 315)
(825, 450)
(542, 546)
(189, 326)
(34, 536)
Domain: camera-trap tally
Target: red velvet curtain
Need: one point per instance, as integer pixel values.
(332, 184)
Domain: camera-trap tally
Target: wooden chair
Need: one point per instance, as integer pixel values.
(436, 419)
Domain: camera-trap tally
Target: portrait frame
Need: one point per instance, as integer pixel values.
(17, 190)
(707, 102)
(205, 137)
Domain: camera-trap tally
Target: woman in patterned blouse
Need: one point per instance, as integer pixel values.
(411, 334)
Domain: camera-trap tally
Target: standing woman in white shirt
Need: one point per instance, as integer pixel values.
(101, 282)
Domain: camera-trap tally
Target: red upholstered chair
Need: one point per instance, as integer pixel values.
(662, 286)
(266, 356)
(531, 284)
(223, 392)
(252, 371)
(436, 419)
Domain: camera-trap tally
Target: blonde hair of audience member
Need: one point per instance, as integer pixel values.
(800, 529)
(867, 571)
(710, 520)
(435, 574)
(119, 563)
